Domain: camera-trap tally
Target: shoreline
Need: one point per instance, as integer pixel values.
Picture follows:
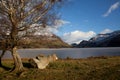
(68, 58)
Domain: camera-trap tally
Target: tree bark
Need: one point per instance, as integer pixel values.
(3, 52)
(17, 60)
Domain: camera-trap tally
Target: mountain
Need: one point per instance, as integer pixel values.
(42, 38)
(102, 40)
(43, 41)
(40, 41)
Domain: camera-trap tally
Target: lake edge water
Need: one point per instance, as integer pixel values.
(69, 52)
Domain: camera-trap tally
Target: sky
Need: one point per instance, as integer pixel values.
(83, 19)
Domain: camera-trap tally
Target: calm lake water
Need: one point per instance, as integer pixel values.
(68, 52)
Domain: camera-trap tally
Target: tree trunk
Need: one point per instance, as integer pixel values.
(3, 52)
(17, 60)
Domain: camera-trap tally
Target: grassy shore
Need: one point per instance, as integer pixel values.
(93, 68)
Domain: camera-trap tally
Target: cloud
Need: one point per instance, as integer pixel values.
(57, 25)
(106, 31)
(49, 30)
(77, 36)
(112, 8)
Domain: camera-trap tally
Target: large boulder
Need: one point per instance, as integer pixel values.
(42, 61)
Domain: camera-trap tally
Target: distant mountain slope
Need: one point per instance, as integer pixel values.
(102, 40)
(115, 42)
(43, 41)
(40, 41)
(42, 38)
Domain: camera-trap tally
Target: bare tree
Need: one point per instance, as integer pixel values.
(16, 18)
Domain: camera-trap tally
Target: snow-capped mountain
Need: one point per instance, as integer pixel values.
(103, 40)
(101, 37)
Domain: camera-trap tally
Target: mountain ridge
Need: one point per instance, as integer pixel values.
(102, 40)
(43, 41)
(40, 42)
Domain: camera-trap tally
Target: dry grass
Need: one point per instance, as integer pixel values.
(93, 68)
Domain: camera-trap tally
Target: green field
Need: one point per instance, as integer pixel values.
(93, 68)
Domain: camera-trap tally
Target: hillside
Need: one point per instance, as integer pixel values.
(42, 38)
(43, 41)
(102, 40)
(39, 41)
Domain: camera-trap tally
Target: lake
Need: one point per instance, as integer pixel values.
(68, 52)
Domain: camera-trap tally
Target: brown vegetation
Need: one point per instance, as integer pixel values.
(43, 42)
(94, 68)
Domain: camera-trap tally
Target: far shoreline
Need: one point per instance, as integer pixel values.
(64, 48)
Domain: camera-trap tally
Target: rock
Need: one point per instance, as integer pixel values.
(41, 62)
